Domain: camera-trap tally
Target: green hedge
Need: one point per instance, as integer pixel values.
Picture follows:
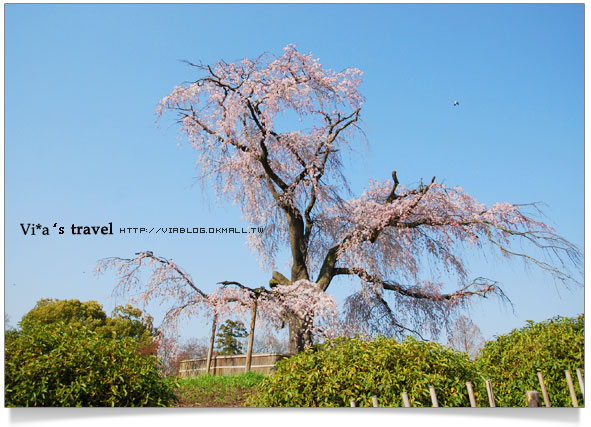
(64, 365)
(512, 361)
(332, 373)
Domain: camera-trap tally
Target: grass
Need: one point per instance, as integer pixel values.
(216, 390)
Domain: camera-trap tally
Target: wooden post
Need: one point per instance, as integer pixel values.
(251, 335)
(374, 401)
(491, 395)
(571, 388)
(533, 399)
(471, 394)
(544, 391)
(211, 342)
(405, 399)
(433, 397)
(353, 403)
(581, 383)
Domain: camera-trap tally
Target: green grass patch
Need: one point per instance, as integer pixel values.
(217, 390)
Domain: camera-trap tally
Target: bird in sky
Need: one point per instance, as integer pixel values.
(456, 103)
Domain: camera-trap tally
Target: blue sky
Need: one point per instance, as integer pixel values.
(82, 144)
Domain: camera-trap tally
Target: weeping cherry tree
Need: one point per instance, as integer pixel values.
(290, 182)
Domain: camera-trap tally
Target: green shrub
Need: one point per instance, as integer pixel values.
(513, 360)
(332, 373)
(62, 364)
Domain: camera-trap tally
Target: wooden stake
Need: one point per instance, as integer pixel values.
(491, 395)
(374, 401)
(433, 397)
(253, 318)
(211, 342)
(353, 403)
(544, 391)
(571, 388)
(471, 394)
(405, 399)
(533, 399)
(581, 383)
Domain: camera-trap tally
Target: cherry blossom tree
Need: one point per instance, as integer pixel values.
(290, 182)
(465, 336)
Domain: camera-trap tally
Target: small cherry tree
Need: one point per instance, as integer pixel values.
(465, 335)
(291, 184)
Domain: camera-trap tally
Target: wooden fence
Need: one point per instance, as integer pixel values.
(532, 396)
(227, 365)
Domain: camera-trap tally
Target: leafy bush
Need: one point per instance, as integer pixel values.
(332, 373)
(62, 364)
(513, 360)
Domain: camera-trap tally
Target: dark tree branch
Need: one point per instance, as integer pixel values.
(166, 262)
(480, 287)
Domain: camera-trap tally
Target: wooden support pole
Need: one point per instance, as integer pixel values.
(533, 399)
(374, 401)
(491, 395)
(544, 391)
(433, 397)
(471, 394)
(253, 318)
(581, 383)
(211, 342)
(353, 403)
(405, 399)
(571, 388)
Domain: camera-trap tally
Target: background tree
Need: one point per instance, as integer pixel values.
(228, 342)
(124, 322)
(290, 182)
(73, 311)
(7, 324)
(191, 349)
(465, 336)
(268, 342)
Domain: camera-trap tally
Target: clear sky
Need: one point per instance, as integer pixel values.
(82, 145)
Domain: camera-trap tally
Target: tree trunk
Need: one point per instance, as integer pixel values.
(253, 319)
(299, 336)
(211, 343)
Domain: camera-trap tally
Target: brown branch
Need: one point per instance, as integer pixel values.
(390, 313)
(486, 286)
(164, 261)
(392, 195)
(256, 291)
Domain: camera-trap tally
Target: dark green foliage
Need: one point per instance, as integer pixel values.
(513, 360)
(332, 373)
(227, 338)
(60, 364)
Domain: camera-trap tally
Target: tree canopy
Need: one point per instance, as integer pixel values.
(227, 337)
(124, 322)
